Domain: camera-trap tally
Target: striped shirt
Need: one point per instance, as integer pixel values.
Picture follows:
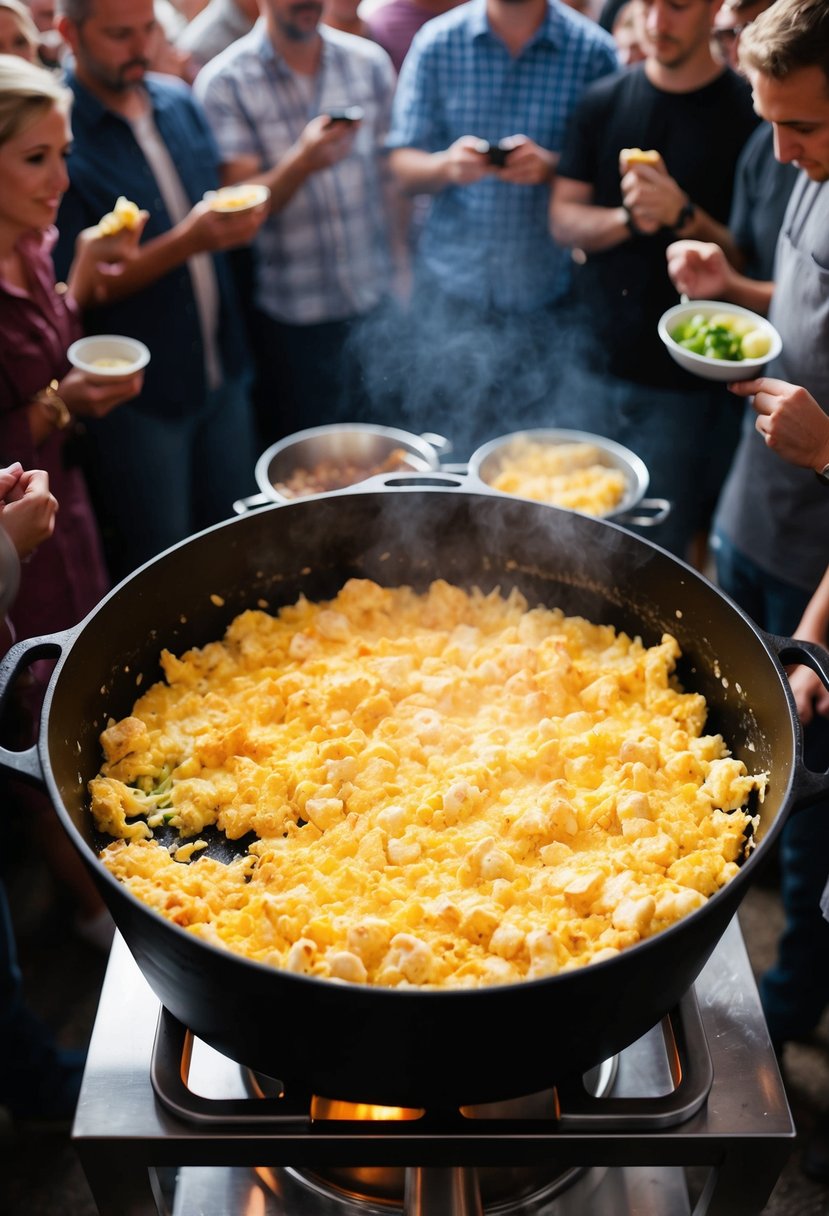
(489, 242)
(324, 256)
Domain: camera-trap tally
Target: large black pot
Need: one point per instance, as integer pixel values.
(415, 1047)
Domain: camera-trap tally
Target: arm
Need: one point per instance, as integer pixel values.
(809, 693)
(656, 200)
(703, 272)
(577, 222)
(420, 172)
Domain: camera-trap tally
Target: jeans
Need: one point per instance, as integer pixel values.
(686, 439)
(795, 991)
(156, 480)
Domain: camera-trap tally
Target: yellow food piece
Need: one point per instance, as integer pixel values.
(111, 363)
(232, 198)
(448, 789)
(564, 474)
(639, 156)
(755, 344)
(125, 214)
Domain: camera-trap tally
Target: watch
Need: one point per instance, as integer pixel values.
(55, 405)
(823, 474)
(630, 222)
(687, 213)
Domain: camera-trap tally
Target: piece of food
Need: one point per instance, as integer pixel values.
(639, 156)
(235, 198)
(572, 475)
(447, 789)
(332, 474)
(723, 336)
(125, 214)
(112, 363)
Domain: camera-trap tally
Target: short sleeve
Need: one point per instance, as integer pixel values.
(224, 110)
(415, 122)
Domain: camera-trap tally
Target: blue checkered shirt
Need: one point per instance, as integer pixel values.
(324, 256)
(489, 242)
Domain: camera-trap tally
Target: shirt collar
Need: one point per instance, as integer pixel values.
(87, 106)
(550, 31)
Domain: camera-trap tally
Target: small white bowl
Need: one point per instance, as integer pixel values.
(108, 356)
(253, 193)
(725, 370)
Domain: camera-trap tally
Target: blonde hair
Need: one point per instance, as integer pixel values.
(25, 24)
(27, 92)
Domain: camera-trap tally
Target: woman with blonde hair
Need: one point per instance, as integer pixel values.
(18, 32)
(41, 396)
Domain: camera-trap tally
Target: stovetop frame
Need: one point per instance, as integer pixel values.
(742, 1134)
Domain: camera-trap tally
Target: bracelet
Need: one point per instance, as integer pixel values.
(56, 407)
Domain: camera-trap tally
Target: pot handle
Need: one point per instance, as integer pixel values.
(26, 764)
(242, 505)
(660, 506)
(440, 443)
(810, 787)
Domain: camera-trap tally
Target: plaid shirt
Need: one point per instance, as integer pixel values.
(489, 243)
(324, 256)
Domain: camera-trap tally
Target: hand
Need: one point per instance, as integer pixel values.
(324, 143)
(699, 269)
(27, 508)
(789, 419)
(99, 259)
(210, 231)
(809, 694)
(94, 398)
(527, 164)
(652, 197)
(465, 163)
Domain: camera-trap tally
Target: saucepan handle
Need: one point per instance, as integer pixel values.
(440, 443)
(810, 787)
(661, 508)
(27, 764)
(242, 505)
(403, 481)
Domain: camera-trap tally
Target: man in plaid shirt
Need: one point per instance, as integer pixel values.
(322, 259)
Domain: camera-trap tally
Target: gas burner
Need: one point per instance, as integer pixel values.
(503, 1191)
(702, 1089)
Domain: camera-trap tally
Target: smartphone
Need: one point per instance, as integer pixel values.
(345, 114)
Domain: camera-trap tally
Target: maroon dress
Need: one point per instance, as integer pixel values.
(65, 578)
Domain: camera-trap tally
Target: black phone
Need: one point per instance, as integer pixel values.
(345, 114)
(497, 154)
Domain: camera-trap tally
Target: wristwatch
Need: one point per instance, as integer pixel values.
(630, 222)
(686, 214)
(823, 474)
(55, 405)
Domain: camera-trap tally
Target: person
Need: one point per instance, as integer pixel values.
(18, 33)
(344, 15)
(41, 399)
(621, 214)
(218, 25)
(322, 261)
(489, 282)
(773, 518)
(762, 184)
(37, 1079)
(621, 19)
(394, 24)
(145, 137)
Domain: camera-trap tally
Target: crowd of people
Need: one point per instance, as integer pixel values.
(455, 236)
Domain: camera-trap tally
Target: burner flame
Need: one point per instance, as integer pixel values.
(360, 1112)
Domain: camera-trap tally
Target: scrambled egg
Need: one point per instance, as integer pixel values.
(125, 214)
(447, 789)
(565, 474)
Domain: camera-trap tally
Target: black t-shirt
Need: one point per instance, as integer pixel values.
(622, 292)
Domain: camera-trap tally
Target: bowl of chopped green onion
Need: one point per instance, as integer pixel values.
(719, 341)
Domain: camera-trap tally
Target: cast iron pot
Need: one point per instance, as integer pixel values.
(413, 1047)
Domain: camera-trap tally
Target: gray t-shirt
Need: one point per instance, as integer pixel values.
(774, 512)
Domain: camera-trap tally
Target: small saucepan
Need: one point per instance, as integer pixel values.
(487, 462)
